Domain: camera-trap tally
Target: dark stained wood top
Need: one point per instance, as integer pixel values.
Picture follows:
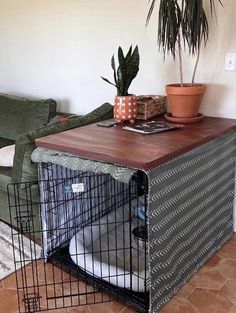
(118, 146)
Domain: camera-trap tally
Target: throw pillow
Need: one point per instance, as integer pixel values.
(20, 115)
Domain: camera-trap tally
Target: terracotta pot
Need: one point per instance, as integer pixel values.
(185, 101)
(125, 108)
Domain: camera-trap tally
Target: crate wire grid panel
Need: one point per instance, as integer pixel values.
(105, 207)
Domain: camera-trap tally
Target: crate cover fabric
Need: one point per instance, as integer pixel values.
(43, 155)
(63, 211)
(190, 214)
(190, 205)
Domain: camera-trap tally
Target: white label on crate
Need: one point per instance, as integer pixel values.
(78, 187)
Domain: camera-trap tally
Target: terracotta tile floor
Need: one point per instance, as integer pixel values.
(211, 290)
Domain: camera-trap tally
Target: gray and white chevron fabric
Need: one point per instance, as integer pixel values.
(73, 162)
(190, 214)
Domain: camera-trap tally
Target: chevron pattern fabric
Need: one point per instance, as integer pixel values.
(43, 155)
(190, 214)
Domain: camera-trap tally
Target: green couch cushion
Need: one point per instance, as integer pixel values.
(23, 168)
(20, 115)
(6, 142)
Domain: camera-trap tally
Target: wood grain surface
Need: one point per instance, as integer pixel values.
(118, 146)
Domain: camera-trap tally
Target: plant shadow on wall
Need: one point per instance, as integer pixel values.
(125, 106)
(183, 24)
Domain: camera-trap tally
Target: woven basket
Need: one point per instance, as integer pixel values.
(150, 106)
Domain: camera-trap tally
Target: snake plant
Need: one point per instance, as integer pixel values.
(127, 70)
(181, 24)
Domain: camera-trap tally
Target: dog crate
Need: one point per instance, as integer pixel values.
(93, 239)
(137, 237)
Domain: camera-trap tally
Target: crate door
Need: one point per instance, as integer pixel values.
(80, 252)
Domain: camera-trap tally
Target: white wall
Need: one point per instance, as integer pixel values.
(59, 49)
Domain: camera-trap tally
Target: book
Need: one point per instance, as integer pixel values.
(152, 127)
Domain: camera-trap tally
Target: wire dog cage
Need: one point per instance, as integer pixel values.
(93, 240)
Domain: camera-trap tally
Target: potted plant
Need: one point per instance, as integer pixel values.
(125, 107)
(183, 24)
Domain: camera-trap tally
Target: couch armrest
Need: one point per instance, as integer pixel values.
(24, 170)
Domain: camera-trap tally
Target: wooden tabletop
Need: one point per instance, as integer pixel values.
(118, 146)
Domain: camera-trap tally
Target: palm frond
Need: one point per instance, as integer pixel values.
(169, 23)
(153, 2)
(182, 18)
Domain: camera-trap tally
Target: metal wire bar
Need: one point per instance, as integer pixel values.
(89, 251)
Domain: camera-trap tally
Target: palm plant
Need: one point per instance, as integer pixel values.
(126, 71)
(182, 23)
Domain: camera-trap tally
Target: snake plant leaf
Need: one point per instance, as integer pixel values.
(122, 90)
(126, 71)
(121, 57)
(107, 81)
(128, 55)
(113, 65)
(133, 66)
(122, 70)
(120, 86)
